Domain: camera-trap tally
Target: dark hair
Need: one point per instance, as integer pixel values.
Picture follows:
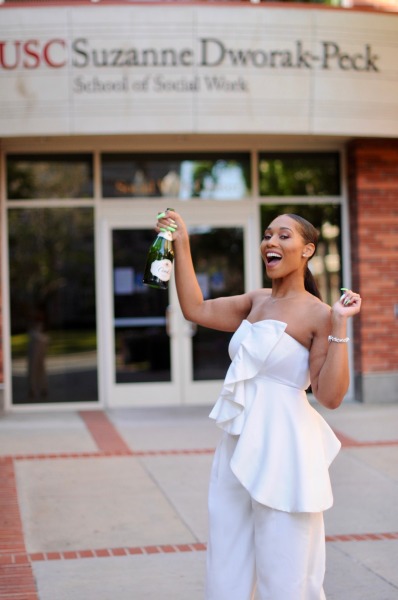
(310, 235)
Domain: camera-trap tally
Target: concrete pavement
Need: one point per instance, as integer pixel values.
(112, 505)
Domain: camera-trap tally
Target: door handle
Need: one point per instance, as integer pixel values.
(168, 320)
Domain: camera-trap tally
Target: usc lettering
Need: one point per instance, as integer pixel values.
(32, 54)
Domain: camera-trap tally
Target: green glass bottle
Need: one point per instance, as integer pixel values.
(159, 263)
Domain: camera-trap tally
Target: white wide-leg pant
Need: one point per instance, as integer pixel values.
(252, 547)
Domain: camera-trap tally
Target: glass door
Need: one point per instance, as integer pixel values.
(151, 354)
(141, 340)
(218, 256)
(138, 363)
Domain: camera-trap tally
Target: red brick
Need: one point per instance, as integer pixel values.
(167, 549)
(21, 559)
(373, 190)
(199, 546)
(69, 555)
(184, 547)
(118, 552)
(135, 550)
(53, 555)
(37, 556)
(152, 549)
(86, 554)
(102, 552)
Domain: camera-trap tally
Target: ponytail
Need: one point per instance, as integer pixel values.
(309, 283)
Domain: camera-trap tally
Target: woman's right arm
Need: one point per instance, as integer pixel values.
(224, 314)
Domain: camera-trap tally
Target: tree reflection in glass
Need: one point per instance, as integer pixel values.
(52, 300)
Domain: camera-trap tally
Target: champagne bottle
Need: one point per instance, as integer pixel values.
(159, 263)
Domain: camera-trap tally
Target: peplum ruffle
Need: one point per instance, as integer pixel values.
(284, 447)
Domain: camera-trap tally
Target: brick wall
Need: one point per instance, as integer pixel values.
(373, 191)
(1, 339)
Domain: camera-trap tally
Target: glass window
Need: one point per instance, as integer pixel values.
(299, 174)
(326, 265)
(218, 256)
(49, 176)
(207, 176)
(142, 343)
(52, 303)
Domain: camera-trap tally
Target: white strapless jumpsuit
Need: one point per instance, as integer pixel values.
(270, 480)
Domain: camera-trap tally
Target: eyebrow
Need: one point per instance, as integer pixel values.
(288, 228)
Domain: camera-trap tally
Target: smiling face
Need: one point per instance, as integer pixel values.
(283, 247)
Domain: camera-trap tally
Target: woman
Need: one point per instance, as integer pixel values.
(270, 483)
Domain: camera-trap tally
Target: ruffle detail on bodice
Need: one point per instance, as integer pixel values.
(283, 446)
(228, 412)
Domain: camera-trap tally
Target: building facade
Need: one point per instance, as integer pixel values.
(230, 113)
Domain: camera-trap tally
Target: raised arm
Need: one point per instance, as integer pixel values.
(329, 359)
(224, 314)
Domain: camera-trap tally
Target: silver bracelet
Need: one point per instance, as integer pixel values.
(331, 338)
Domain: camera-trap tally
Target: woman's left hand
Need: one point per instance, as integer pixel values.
(348, 305)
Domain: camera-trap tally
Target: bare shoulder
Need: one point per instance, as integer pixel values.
(308, 319)
(259, 295)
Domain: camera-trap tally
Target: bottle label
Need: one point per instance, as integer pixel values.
(162, 269)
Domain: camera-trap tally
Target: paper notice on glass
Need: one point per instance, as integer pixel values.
(124, 281)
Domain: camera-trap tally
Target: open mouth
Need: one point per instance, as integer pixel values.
(273, 258)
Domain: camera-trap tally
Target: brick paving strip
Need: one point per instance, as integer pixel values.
(105, 434)
(16, 575)
(348, 442)
(14, 558)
